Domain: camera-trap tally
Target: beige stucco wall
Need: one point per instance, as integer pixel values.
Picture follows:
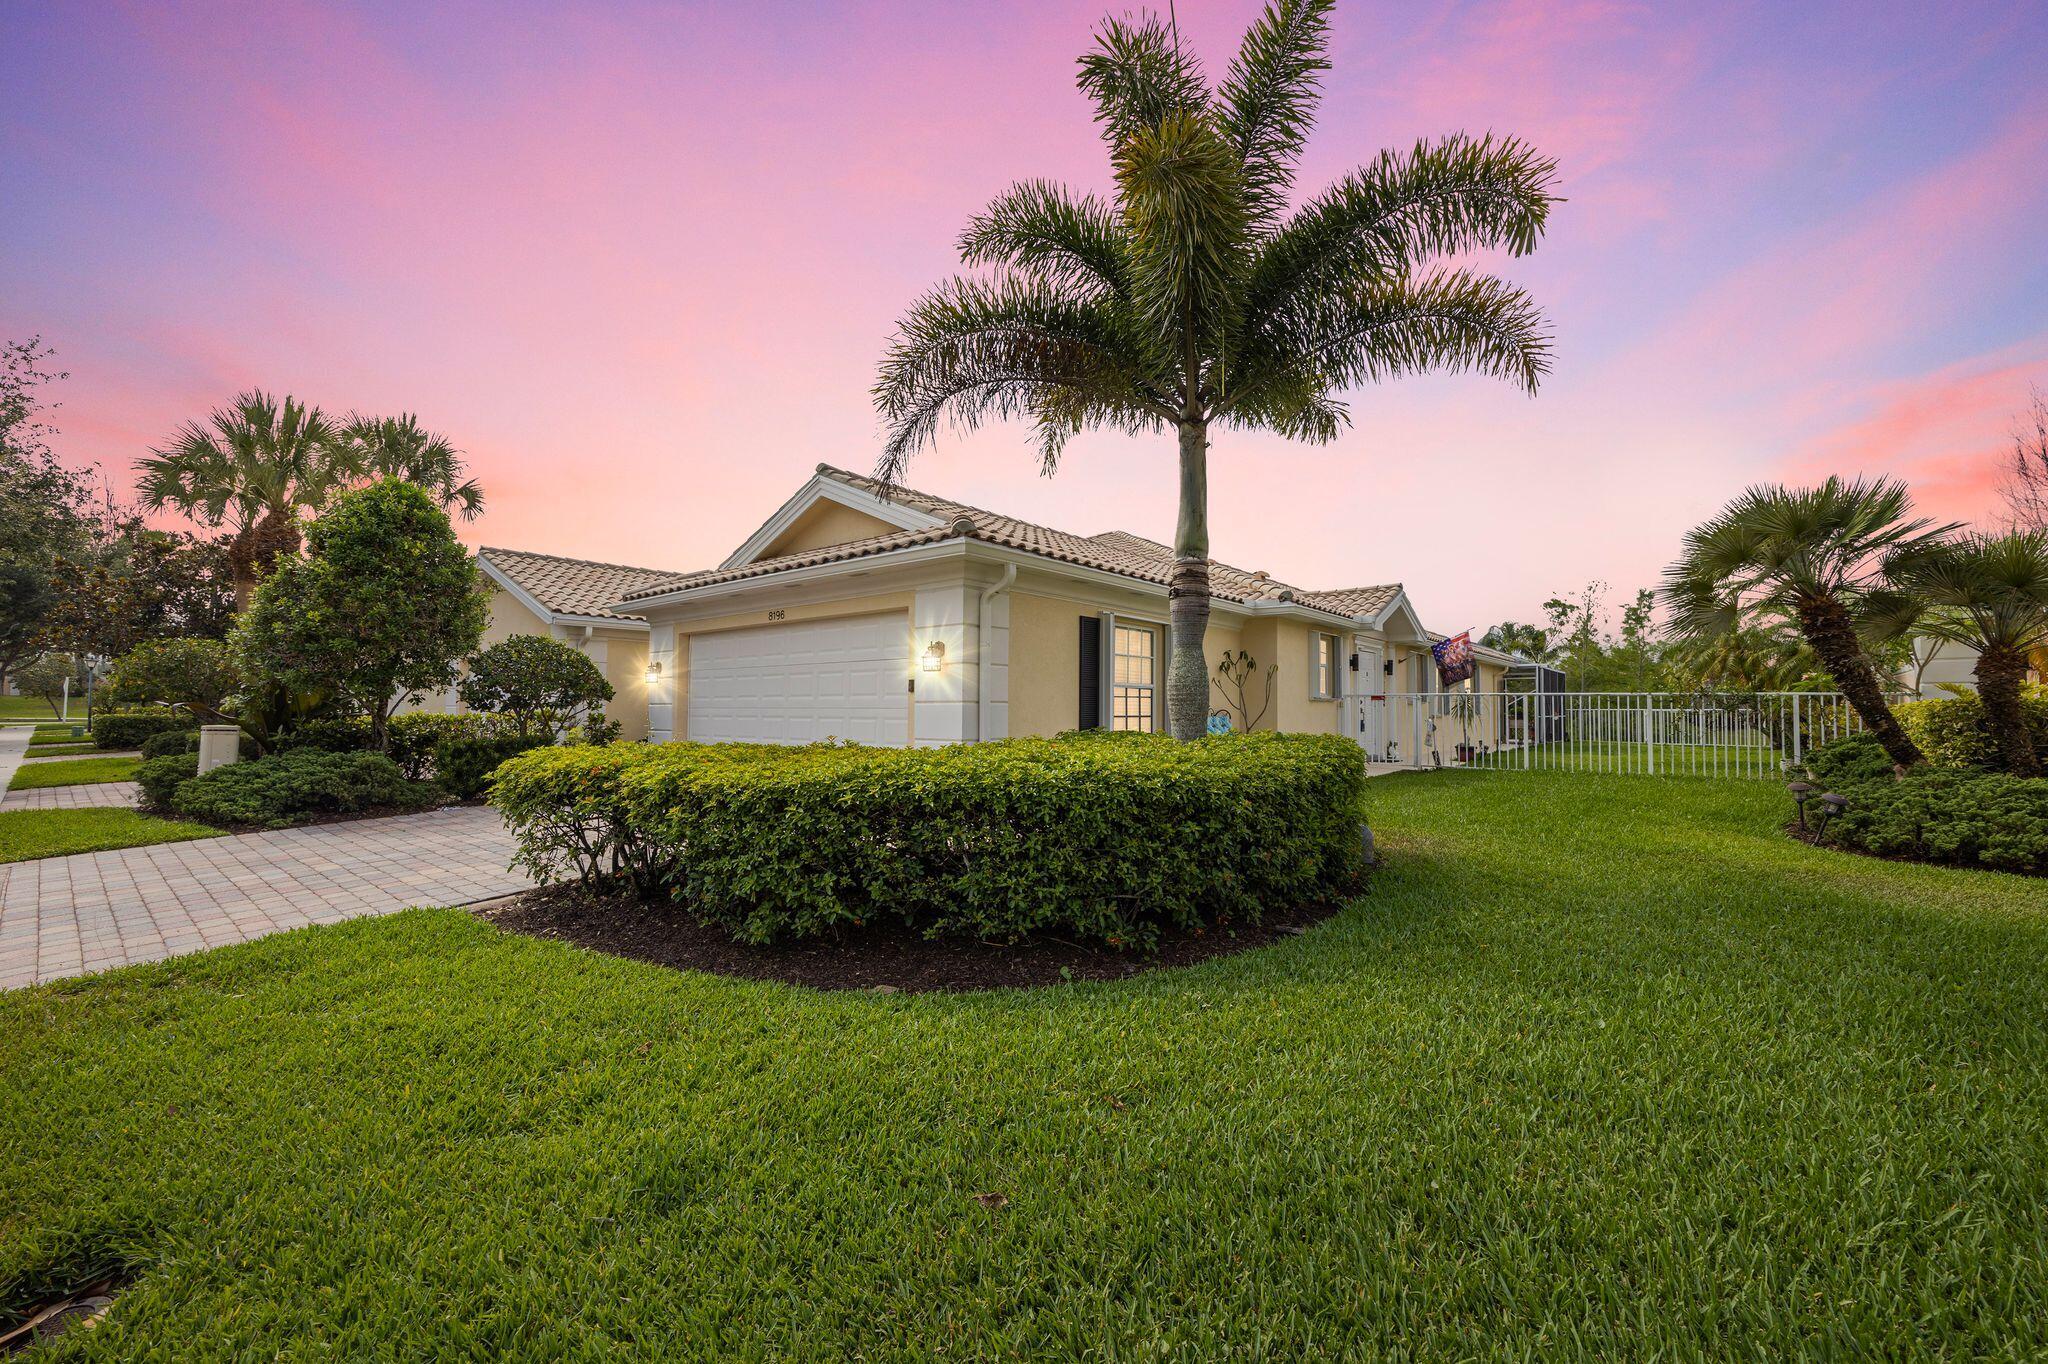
(1045, 657)
(826, 523)
(509, 616)
(871, 605)
(620, 654)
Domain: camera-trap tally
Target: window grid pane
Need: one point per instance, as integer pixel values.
(1133, 677)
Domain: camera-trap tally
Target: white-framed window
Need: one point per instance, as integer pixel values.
(1134, 678)
(1325, 668)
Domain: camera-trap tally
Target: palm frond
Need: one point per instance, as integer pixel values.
(1392, 217)
(973, 351)
(1044, 230)
(1138, 77)
(1183, 207)
(1268, 100)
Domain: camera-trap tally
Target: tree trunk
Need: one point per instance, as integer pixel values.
(1187, 670)
(256, 549)
(1827, 627)
(2000, 673)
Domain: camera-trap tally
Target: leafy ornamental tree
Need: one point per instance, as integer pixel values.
(46, 678)
(2025, 481)
(198, 674)
(1524, 641)
(374, 448)
(252, 468)
(1988, 593)
(1809, 557)
(1194, 298)
(379, 610)
(46, 509)
(136, 584)
(540, 683)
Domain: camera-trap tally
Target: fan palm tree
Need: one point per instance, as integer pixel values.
(1193, 298)
(1988, 593)
(372, 448)
(252, 467)
(1810, 557)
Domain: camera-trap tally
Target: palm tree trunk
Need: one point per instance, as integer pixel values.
(256, 549)
(1187, 669)
(1827, 627)
(2000, 673)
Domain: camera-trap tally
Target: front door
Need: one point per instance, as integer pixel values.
(1370, 723)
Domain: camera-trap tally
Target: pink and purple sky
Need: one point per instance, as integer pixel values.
(639, 260)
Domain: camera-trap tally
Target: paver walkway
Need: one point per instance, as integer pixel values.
(88, 795)
(64, 916)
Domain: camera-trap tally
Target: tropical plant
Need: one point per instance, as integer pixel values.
(537, 683)
(1524, 641)
(373, 448)
(1810, 558)
(50, 678)
(252, 468)
(1988, 593)
(46, 510)
(1233, 671)
(379, 609)
(197, 674)
(1193, 298)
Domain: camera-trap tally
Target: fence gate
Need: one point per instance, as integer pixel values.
(1697, 734)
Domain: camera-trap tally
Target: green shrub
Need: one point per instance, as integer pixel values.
(335, 734)
(417, 736)
(1855, 757)
(1109, 841)
(297, 786)
(1944, 815)
(120, 729)
(160, 778)
(169, 742)
(464, 764)
(1951, 732)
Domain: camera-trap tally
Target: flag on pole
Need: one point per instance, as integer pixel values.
(1454, 661)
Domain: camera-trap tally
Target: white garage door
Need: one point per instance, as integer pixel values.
(797, 683)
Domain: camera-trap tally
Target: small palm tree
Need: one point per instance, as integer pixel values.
(252, 467)
(1988, 593)
(1195, 298)
(1810, 557)
(373, 448)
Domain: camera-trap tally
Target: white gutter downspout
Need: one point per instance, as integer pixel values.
(988, 595)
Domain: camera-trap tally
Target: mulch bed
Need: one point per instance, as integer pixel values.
(888, 959)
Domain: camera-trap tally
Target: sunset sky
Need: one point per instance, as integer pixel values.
(639, 261)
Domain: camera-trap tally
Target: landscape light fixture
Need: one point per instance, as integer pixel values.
(1802, 791)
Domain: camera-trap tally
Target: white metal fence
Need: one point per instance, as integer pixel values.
(1751, 734)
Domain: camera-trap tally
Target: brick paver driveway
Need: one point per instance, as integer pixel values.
(90, 795)
(63, 916)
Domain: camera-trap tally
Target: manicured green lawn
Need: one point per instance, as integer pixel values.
(26, 834)
(58, 750)
(33, 776)
(31, 708)
(1600, 1067)
(59, 734)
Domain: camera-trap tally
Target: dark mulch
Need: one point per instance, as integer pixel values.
(887, 958)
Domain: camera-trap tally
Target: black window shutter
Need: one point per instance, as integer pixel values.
(1091, 672)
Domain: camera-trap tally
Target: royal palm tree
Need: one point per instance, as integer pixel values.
(252, 467)
(1988, 593)
(1194, 298)
(1810, 557)
(372, 448)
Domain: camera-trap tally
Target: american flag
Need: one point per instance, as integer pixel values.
(1454, 658)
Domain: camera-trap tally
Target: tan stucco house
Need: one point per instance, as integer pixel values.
(899, 617)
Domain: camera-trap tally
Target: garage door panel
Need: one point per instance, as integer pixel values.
(803, 682)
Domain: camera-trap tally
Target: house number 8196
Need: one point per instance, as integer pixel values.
(776, 615)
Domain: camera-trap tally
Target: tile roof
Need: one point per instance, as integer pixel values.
(1113, 552)
(573, 587)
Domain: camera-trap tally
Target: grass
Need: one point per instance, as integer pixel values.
(59, 750)
(28, 834)
(57, 734)
(78, 772)
(1601, 1067)
(32, 708)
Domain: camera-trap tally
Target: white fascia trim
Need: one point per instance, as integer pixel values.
(1400, 606)
(824, 487)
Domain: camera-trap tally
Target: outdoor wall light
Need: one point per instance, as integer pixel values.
(653, 672)
(934, 655)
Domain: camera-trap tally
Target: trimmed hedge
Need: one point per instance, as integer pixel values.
(1950, 730)
(463, 764)
(1970, 819)
(1108, 841)
(122, 729)
(285, 789)
(1856, 757)
(413, 736)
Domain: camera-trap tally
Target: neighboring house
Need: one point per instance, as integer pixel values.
(905, 618)
(570, 600)
(1941, 666)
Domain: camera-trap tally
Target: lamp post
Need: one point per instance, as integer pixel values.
(1802, 791)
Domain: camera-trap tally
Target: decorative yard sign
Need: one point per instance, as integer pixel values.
(1219, 722)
